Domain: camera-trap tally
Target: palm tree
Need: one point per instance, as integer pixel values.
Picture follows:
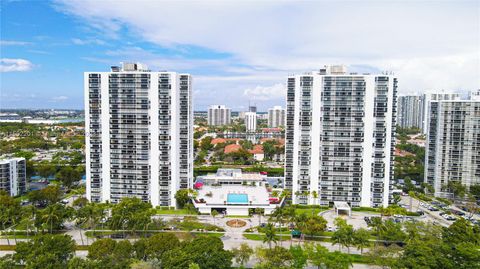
(360, 239)
(259, 211)
(270, 235)
(297, 193)
(52, 213)
(214, 214)
(28, 214)
(315, 197)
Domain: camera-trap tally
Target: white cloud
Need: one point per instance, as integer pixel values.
(13, 43)
(78, 41)
(15, 65)
(429, 45)
(262, 93)
(59, 98)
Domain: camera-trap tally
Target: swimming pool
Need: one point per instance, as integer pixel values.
(237, 198)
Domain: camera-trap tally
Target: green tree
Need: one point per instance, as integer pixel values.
(80, 202)
(457, 188)
(274, 258)
(344, 235)
(206, 143)
(385, 257)
(109, 253)
(131, 214)
(475, 190)
(392, 232)
(207, 252)
(79, 263)
(45, 251)
(45, 169)
(242, 254)
(338, 260)
(49, 195)
(361, 239)
(316, 254)
(53, 217)
(299, 257)
(314, 225)
(214, 215)
(183, 197)
(155, 246)
(24, 154)
(270, 235)
(7, 262)
(68, 176)
(10, 211)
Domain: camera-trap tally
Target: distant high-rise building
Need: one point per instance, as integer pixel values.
(251, 121)
(427, 98)
(13, 176)
(219, 115)
(140, 134)
(276, 117)
(453, 144)
(410, 111)
(474, 95)
(340, 135)
(252, 108)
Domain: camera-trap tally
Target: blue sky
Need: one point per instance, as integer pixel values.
(237, 51)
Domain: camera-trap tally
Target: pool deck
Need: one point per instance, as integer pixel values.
(257, 197)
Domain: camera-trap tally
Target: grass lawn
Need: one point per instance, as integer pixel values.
(7, 247)
(237, 217)
(260, 237)
(218, 235)
(307, 211)
(164, 211)
(139, 233)
(357, 258)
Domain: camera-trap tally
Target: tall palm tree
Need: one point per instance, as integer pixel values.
(259, 211)
(315, 197)
(270, 235)
(214, 214)
(52, 213)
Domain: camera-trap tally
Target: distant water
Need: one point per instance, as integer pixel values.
(69, 120)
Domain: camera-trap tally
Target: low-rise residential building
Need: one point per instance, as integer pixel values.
(232, 192)
(258, 153)
(13, 176)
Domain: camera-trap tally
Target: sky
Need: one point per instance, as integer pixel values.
(238, 52)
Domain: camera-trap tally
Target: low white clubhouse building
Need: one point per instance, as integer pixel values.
(232, 192)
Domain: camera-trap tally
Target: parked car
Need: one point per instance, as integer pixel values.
(450, 217)
(420, 212)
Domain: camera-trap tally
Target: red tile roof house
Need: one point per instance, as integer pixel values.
(257, 152)
(231, 148)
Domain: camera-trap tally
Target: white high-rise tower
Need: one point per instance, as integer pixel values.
(219, 115)
(251, 121)
(276, 117)
(340, 137)
(452, 152)
(139, 134)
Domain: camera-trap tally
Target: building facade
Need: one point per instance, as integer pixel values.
(276, 117)
(474, 95)
(251, 121)
(340, 137)
(410, 111)
(427, 98)
(452, 152)
(219, 115)
(139, 140)
(13, 176)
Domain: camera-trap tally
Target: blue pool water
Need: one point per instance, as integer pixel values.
(235, 198)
